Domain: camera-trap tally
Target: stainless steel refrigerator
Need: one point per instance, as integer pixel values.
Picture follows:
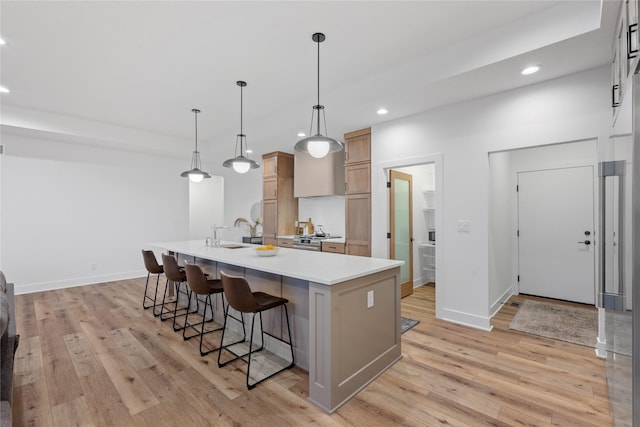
(619, 271)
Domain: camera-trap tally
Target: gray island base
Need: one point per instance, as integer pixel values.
(344, 310)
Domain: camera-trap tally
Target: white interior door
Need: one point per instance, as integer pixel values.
(555, 222)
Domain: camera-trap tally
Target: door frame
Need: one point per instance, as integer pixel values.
(380, 177)
(406, 289)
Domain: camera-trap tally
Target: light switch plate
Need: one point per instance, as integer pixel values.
(464, 226)
(369, 299)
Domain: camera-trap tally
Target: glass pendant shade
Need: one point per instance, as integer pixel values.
(318, 145)
(240, 163)
(195, 174)
(241, 167)
(196, 177)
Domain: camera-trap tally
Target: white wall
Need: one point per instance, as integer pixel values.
(572, 108)
(327, 211)
(500, 227)
(504, 169)
(74, 214)
(241, 191)
(206, 206)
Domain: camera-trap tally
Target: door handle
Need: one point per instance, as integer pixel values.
(586, 242)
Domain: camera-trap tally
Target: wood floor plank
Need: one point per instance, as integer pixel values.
(28, 367)
(84, 359)
(134, 392)
(73, 413)
(62, 381)
(137, 355)
(105, 403)
(31, 405)
(91, 355)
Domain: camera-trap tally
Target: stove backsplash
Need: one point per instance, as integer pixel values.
(327, 211)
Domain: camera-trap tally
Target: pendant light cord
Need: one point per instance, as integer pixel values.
(318, 43)
(241, 132)
(196, 114)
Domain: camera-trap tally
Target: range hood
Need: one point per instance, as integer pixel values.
(314, 177)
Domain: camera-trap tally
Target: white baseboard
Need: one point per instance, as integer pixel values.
(467, 319)
(77, 281)
(497, 305)
(601, 348)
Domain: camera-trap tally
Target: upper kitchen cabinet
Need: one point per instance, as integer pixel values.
(625, 52)
(357, 172)
(357, 164)
(357, 178)
(357, 146)
(280, 207)
(318, 177)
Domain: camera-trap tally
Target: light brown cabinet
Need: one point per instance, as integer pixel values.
(285, 243)
(336, 248)
(358, 224)
(270, 188)
(358, 192)
(279, 207)
(357, 178)
(357, 146)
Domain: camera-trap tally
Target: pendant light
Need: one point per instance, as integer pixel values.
(195, 174)
(318, 145)
(240, 163)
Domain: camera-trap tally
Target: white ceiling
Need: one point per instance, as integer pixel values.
(144, 65)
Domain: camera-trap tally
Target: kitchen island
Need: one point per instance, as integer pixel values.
(344, 310)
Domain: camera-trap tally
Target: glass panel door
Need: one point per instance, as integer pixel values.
(401, 215)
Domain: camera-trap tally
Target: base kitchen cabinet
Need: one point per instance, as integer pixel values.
(358, 224)
(285, 242)
(279, 207)
(333, 247)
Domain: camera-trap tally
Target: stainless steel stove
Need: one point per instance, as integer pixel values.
(310, 242)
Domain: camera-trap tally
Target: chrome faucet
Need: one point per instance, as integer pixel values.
(216, 241)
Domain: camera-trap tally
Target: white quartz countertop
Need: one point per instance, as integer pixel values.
(320, 267)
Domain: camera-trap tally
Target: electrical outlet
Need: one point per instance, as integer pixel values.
(464, 226)
(369, 299)
(94, 266)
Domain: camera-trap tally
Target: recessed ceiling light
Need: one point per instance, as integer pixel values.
(301, 134)
(248, 151)
(530, 70)
(4, 89)
(382, 111)
(2, 42)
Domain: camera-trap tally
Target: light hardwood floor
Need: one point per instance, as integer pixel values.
(91, 356)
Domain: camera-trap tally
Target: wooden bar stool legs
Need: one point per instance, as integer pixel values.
(242, 299)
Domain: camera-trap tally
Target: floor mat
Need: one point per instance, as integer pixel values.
(574, 324)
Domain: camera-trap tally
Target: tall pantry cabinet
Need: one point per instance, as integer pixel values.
(279, 207)
(357, 171)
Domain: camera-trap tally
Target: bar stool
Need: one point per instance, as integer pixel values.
(176, 275)
(151, 264)
(201, 285)
(241, 298)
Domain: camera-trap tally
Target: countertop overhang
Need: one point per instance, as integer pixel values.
(319, 267)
